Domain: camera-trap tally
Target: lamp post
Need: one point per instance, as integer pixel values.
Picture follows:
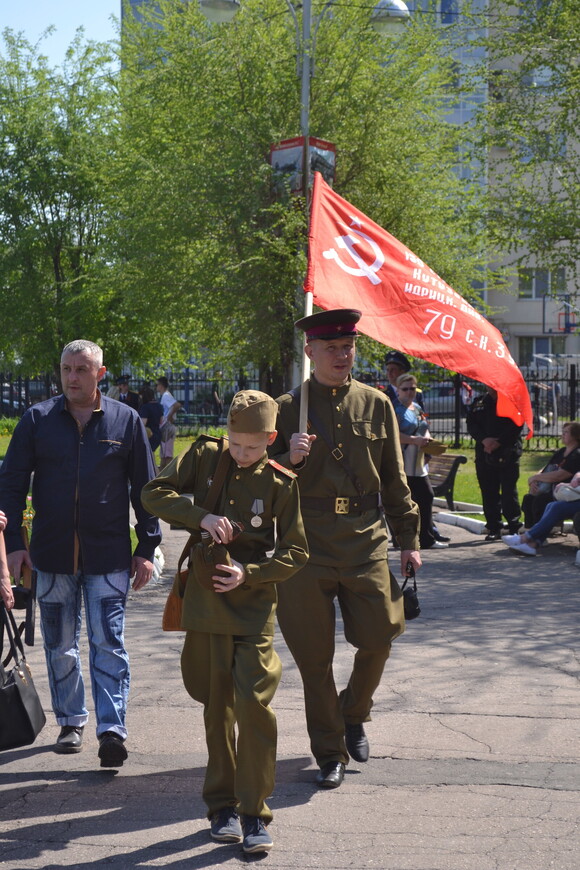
(388, 18)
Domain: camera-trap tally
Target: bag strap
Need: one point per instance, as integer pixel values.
(410, 575)
(212, 496)
(13, 636)
(335, 451)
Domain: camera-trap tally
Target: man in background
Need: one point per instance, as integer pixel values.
(127, 396)
(168, 427)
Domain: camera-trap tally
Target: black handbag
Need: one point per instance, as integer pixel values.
(21, 715)
(410, 598)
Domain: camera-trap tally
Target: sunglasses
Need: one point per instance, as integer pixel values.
(407, 389)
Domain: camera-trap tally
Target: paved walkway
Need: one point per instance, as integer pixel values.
(474, 743)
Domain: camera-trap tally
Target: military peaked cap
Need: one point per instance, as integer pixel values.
(336, 323)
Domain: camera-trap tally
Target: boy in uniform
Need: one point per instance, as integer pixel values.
(228, 661)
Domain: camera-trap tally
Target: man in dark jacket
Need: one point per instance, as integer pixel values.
(498, 447)
(85, 451)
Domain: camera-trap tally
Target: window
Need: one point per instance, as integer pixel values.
(544, 345)
(535, 283)
(449, 11)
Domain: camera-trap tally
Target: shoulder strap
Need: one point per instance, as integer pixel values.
(336, 452)
(213, 492)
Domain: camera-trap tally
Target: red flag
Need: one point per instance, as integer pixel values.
(354, 263)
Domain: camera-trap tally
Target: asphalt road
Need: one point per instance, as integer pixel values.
(474, 742)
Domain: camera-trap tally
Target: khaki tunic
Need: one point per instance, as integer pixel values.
(248, 609)
(228, 661)
(361, 422)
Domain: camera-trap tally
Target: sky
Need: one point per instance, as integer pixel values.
(34, 16)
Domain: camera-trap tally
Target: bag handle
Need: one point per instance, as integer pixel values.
(14, 639)
(410, 575)
(213, 492)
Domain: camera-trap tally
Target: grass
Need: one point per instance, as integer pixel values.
(467, 487)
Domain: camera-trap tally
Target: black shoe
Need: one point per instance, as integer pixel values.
(112, 750)
(442, 538)
(225, 826)
(356, 741)
(330, 775)
(70, 739)
(256, 837)
(493, 536)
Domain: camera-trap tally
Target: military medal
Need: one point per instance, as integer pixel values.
(257, 508)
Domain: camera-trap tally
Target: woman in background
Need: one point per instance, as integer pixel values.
(562, 466)
(415, 437)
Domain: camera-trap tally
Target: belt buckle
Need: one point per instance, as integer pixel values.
(341, 505)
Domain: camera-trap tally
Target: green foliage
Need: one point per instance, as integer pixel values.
(529, 127)
(7, 426)
(198, 220)
(55, 144)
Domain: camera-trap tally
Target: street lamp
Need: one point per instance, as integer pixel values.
(219, 11)
(388, 18)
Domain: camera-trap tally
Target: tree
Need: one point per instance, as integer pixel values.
(55, 147)
(198, 221)
(529, 127)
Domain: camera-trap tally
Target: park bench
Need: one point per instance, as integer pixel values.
(442, 472)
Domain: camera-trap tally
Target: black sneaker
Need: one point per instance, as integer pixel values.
(225, 826)
(70, 739)
(356, 740)
(493, 536)
(256, 837)
(112, 750)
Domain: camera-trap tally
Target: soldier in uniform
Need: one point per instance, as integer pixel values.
(498, 447)
(228, 661)
(349, 467)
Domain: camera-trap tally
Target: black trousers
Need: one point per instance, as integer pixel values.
(499, 493)
(422, 494)
(534, 506)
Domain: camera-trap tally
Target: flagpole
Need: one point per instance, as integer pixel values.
(303, 422)
(306, 73)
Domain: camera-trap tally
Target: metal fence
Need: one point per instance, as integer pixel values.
(205, 397)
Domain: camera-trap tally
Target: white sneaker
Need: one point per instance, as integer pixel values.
(526, 549)
(510, 540)
(577, 562)
(438, 545)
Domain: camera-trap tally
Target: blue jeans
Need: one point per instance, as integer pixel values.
(59, 598)
(553, 515)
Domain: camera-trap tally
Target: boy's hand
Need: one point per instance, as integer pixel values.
(236, 576)
(219, 528)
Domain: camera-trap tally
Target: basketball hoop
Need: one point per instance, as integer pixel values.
(566, 321)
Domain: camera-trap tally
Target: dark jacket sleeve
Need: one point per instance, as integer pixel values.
(141, 471)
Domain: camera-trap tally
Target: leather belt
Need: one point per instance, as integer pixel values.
(354, 504)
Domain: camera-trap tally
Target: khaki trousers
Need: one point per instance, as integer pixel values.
(235, 679)
(371, 604)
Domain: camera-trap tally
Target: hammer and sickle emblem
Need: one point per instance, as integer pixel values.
(363, 270)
